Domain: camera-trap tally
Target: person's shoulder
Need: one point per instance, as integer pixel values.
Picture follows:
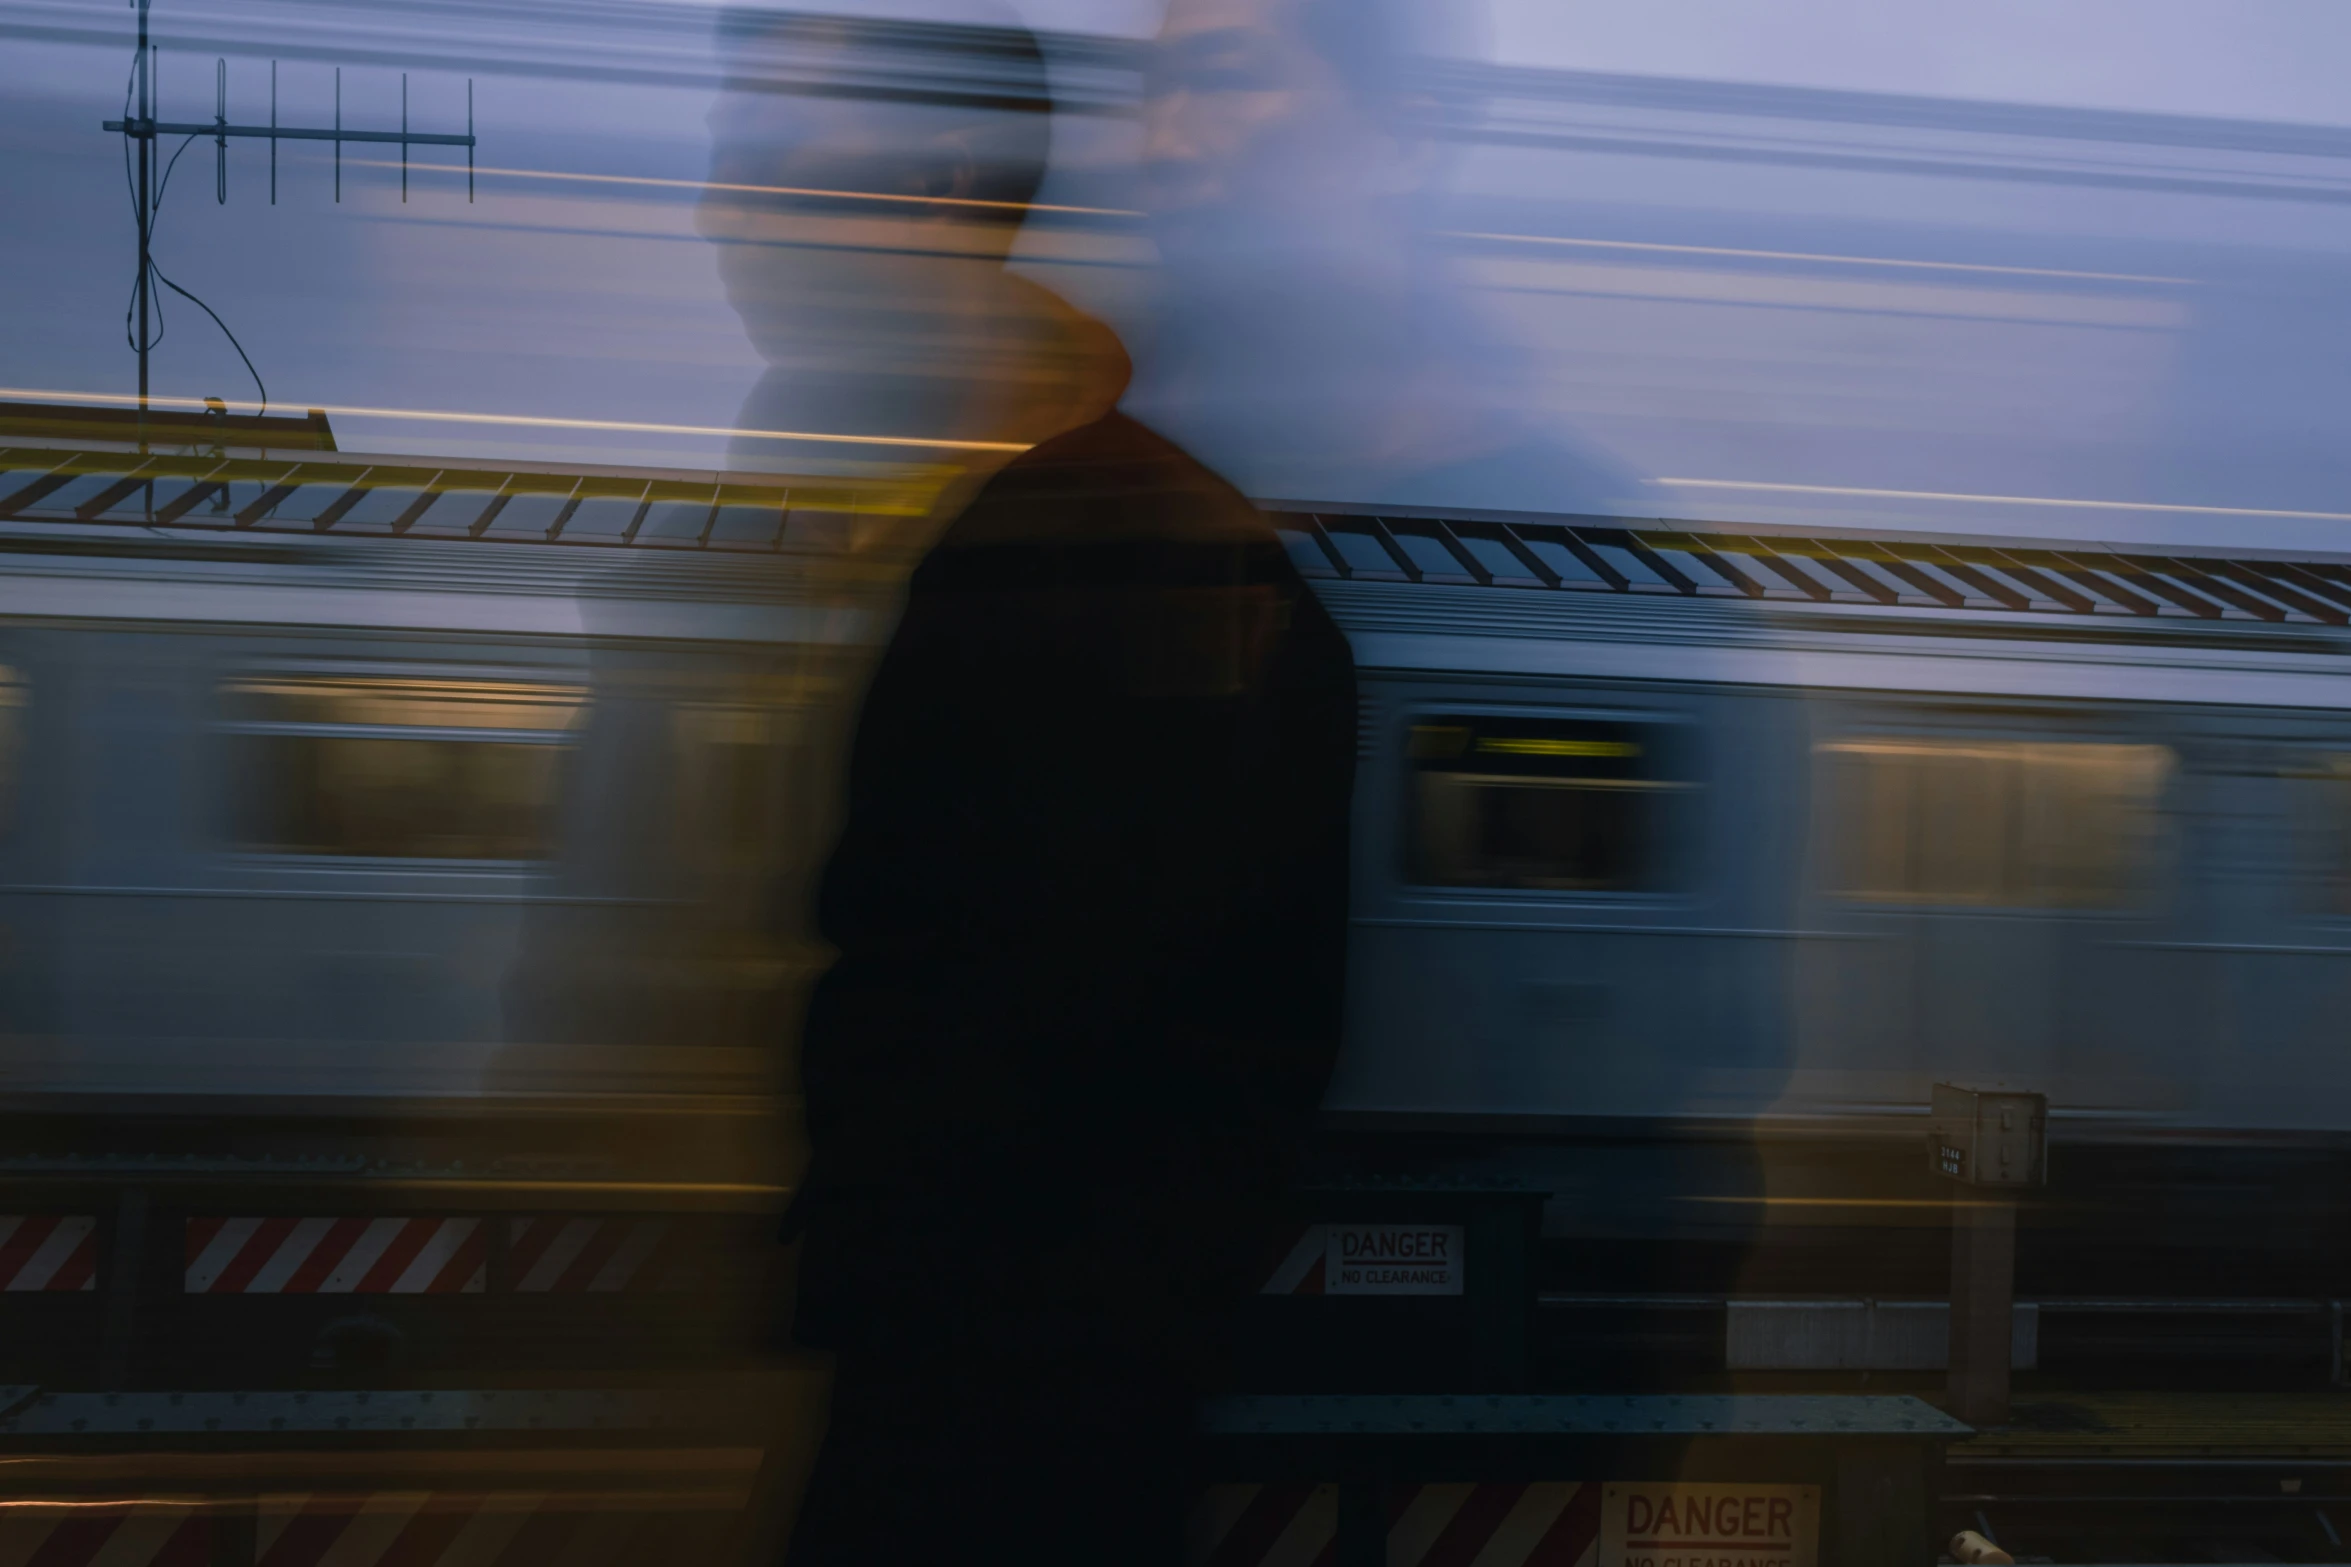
(1115, 473)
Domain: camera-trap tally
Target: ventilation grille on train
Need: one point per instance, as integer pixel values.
(1593, 557)
(447, 499)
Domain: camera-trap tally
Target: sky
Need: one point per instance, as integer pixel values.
(2264, 59)
(2148, 324)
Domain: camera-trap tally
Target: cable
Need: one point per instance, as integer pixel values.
(146, 222)
(167, 168)
(218, 322)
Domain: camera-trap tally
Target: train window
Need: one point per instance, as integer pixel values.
(1994, 823)
(12, 725)
(399, 768)
(728, 765)
(2324, 791)
(1555, 804)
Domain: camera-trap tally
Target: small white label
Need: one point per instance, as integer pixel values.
(1669, 1525)
(1392, 1259)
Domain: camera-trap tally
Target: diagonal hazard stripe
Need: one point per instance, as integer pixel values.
(190, 1544)
(25, 1237)
(1569, 1540)
(428, 1533)
(261, 1242)
(1302, 1262)
(544, 1537)
(467, 1271)
(644, 1237)
(212, 1245)
(488, 1532)
(433, 1259)
(302, 1538)
(139, 1540)
(80, 1270)
(73, 1540)
(1262, 1520)
(1309, 1539)
(566, 1244)
(43, 1269)
(287, 1256)
(526, 1241)
(368, 1530)
(272, 1513)
(1522, 1529)
(360, 1257)
(326, 1257)
(602, 1243)
(1214, 1512)
(1422, 1520)
(392, 1263)
(1472, 1526)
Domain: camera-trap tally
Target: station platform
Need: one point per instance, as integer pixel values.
(2099, 1476)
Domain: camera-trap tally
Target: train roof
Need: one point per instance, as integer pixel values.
(250, 490)
(192, 485)
(1730, 562)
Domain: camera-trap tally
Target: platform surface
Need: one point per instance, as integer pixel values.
(1537, 1414)
(2168, 1425)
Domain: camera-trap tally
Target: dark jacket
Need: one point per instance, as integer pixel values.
(1090, 900)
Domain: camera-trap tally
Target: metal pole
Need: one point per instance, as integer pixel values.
(1983, 1306)
(146, 155)
(404, 138)
(125, 1278)
(220, 144)
(273, 125)
(338, 139)
(469, 141)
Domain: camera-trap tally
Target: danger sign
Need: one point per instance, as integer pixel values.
(1709, 1526)
(1392, 1259)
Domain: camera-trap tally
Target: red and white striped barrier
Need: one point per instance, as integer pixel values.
(1301, 1270)
(409, 1529)
(104, 1534)
(1552, 1523)
(1547, 1524)
(505, 1529)
(586, 1256)
(48, 1252)
(289, 1256)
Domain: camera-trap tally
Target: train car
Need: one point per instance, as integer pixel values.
(401, 883)
(1688, 861)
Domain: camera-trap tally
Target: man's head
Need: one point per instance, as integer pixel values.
(864, 167)
(1282, 115)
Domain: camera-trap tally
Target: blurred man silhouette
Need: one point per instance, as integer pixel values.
(1089, 902)
(867, 182)
(1312, 342)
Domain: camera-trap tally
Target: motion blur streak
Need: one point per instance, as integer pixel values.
(1803, 255)
(1835, 521)
(966, 202)
(2002, 500)
(541, 422)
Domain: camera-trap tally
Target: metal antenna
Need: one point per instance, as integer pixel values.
(141, 128)
(146, 151)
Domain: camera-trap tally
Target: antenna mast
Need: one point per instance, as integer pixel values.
(142, 129)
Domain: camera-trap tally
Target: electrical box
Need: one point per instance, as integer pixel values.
(1989, 1137)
